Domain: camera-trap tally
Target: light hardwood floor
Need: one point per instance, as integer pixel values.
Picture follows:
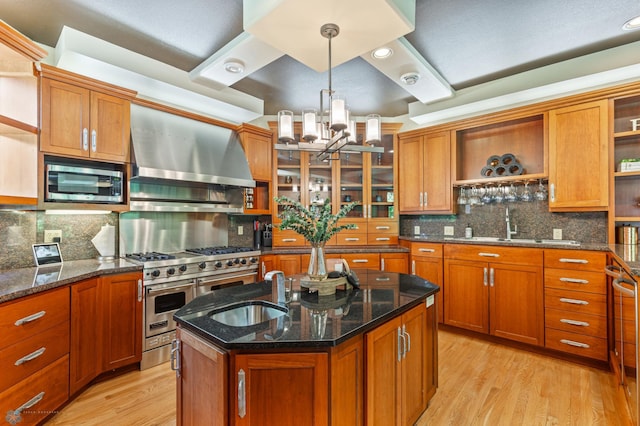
(480, 383)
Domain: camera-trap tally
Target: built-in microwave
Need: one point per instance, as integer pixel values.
(82, 183)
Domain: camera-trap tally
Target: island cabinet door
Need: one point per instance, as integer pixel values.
(202, 396)
(280, 389)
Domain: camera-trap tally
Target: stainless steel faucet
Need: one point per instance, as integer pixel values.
(277, 290)
(509, 231)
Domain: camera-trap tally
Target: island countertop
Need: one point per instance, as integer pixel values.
(312, 321)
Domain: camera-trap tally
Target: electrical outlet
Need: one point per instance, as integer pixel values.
(240, 230)
(557, 234)
(416, 230)
(448, 230)
(51, 235)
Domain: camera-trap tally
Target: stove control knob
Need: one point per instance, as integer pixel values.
(243, 261)
(182, 268)
(218, 264)
(155, 273)
(171, 271)
(236, 261)
(253, 260)
(202, 265)
(229, 262)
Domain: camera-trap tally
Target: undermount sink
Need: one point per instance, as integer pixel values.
(517, 240)
(244, 314)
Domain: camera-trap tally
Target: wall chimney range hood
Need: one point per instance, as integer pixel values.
(182, 164)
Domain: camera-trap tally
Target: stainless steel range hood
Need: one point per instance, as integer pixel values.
(181, 164)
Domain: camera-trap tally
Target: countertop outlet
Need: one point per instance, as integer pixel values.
(416, 230)
(557, 234)
(448, 230)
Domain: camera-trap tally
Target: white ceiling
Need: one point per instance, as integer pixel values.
(473, 45)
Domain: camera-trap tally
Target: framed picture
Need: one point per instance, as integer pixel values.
(47, 254)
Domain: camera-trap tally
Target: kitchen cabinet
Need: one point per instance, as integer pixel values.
(18, 117)
(34, 354)
(399, 382)
(84, 118)
(575, 289)
(257, 145)
(495, 290)
(267, 263)
(426, 262)
(85, 362)
(579, 157)
(424, 174)
(394, 262)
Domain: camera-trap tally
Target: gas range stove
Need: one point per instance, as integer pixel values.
(194, 263)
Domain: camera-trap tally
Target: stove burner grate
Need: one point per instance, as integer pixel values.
(149, 256)
(211, 251)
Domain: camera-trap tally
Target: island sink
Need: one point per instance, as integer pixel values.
(516, 240)
(244, 314)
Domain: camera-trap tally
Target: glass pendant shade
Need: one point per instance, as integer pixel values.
(352, 131)
(309, 125)
(373, 131)
(285, 126)
(339, 116)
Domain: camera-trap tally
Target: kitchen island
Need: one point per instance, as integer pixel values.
(310, 365)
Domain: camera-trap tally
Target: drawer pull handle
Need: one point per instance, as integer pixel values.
(382, 278)
(574, 343)
(242, 394)
(16, 414)
(424, 250)
(574, 322)
(567, 260)
(574, 280)
(573, 301)
(289, 240)
(352, 239)
(484, 254)
(383, 227)
(30, 318)
(360, 261)
(383, 239)
(33, 355)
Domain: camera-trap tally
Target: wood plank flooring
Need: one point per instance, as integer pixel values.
(480, 383)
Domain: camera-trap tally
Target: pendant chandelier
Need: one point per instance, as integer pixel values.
(334, 132)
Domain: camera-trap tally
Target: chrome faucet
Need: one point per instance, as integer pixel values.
(277, 290)
(509, 231)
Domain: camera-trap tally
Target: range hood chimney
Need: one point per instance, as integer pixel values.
(182, 164)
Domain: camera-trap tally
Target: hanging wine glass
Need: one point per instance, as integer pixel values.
(526, 195)
(486, 195)
(474, 199)
(498, 195)
(541, 192)
(511, 194)
(462, 196)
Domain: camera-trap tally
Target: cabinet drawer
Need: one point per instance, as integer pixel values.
(511, 255)
(352, 239)
(570, 279)
(287, 238)
(382, 239)
(575, 301)
(575, 259)
(577, 344)
(362, 260)
(382, 227)
(576, 322)
(31, 315)
(360, 227)
(33, 354)
(49, 388)
(426, 250)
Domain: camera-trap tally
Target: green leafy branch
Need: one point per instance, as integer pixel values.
(316, 224)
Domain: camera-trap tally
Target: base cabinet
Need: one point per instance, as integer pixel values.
(426, 262)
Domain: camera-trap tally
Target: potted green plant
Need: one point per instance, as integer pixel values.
(317, 225)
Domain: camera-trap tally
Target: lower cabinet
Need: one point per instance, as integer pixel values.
(86, 328)
(426, 262)
(399, 381)
(292, 264)
(495, 290)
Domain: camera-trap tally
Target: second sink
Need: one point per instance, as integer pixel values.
(244, 314)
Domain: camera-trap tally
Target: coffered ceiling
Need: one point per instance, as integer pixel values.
(469, 44)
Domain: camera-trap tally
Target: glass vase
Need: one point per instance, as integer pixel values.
(317, 267)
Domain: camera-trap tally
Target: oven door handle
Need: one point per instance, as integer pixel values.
(226, 278)
(151, 290)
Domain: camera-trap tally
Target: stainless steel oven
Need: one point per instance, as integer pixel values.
(208, 284)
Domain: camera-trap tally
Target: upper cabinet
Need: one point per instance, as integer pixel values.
(579, 157)
(18, 117)
(424, 173)
(257, 145)
(84, 118)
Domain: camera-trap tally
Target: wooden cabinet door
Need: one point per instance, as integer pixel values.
(110, 128)
(383, 374)
(267, 263)
(579, 157)
(202, 399)
(65, 119)
(86, 340)
(436, 169)
(258, 149)
(466, 294)
(410, 175)
(517, 303)
(281, 389)
(122, 310)
(290, 264)
(414, 365)
(394, 262)
(430, 269)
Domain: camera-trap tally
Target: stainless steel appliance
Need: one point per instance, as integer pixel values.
(624, 356)
(171, 280)
(69, 182)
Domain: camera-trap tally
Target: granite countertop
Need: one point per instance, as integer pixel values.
(338, 249)
(22, 282)
(313, 321)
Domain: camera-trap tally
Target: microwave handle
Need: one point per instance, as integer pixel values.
(85, 139)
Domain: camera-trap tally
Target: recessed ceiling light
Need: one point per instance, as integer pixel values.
(234, 66)
(410, 78)
(382, 53)
(632, 24)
